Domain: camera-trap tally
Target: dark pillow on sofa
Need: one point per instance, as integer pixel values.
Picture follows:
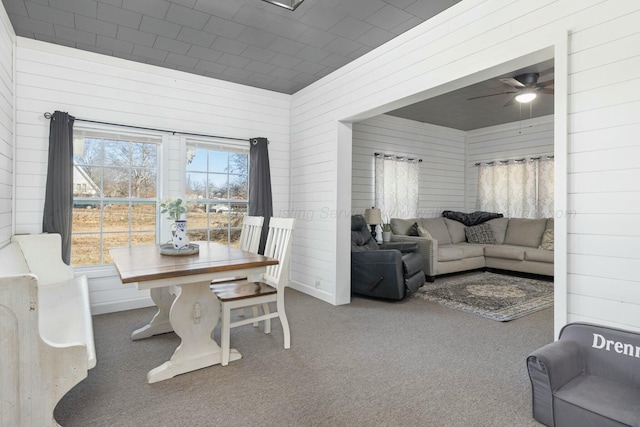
(413, 230)
(480, 234)
(470, 219)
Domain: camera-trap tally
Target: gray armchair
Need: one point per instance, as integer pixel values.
(390, 270)
(589, 377)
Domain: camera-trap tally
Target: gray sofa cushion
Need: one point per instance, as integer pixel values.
(456, 230)
(499, 228)
(539, 255)
(525, 232)
(506, 252)
(459, 251)
(438, 229)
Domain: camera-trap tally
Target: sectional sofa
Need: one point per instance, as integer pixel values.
(449, 246)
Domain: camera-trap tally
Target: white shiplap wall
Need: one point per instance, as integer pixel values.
(441, 179)
(97, 87)
(527, 138)
(7, 39)
(468, 39)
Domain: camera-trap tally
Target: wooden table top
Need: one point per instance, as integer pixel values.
(139, 263)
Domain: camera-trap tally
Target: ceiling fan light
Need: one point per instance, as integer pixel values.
(525, 97)
(287, 4)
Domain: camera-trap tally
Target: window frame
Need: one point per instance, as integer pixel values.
(117, 133)
(212, 143)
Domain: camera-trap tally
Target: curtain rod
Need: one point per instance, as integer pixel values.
(48, 115)
(398, 157)
(504, 162)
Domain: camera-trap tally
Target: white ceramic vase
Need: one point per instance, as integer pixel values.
(386, 236)
(180, 239)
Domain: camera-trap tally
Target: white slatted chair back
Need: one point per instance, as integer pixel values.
(278, 246)
(250, 234)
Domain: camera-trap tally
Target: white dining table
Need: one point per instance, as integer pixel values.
(180, 288)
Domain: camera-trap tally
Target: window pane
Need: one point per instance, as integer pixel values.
(115, 217)
(218, 161)
(85, 249)
(197, 216)
(117, 153)
(91, 152)
(196, 185)
(85, 217)
(196, 160)
(239, 163)
(239, 187)
(197, 235)
(218, 186)
(86, 181)
(219, 217)
(116, 182)
(143, 183)
(219, 236)
(144, 155)
(143, 217)
(235, 238)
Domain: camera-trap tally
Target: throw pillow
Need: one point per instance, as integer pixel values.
(547, 240)
(413, 230)
(480, 234)
(423, 232)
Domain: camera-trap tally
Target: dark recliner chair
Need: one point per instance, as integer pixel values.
(390, 270)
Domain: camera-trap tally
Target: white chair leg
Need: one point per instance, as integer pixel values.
(225, 334)
(254, 310)
(285, 323)
(267, 322)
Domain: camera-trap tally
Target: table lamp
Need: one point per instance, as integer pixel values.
(373, 218)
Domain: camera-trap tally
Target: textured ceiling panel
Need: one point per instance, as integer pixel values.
(254, 43)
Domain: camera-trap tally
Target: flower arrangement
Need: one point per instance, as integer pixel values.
(173, 207)
(386, 225)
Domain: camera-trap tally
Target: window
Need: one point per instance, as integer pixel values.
(396, 186)
(115, 183)
(217, 187)
(518, 188)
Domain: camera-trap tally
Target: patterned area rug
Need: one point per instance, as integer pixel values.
(494, 296)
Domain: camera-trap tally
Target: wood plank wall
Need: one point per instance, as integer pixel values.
(441, 183)
(7, 37)
(98, 87)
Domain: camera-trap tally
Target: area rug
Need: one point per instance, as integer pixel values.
(494, 296)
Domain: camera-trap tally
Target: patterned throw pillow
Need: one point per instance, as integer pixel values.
(480, 234)
(547, 240)
(422, 232)
(413, 230)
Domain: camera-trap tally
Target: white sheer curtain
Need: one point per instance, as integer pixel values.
(520, 189)
(396, 187)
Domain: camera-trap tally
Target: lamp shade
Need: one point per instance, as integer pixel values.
(373, 216)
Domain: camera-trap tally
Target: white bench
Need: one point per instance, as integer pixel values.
(46, 331)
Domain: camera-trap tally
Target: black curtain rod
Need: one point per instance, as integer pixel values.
(398, 157)
(48, 115)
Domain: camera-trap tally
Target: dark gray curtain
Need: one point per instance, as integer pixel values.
(260, 202)
(58, 199)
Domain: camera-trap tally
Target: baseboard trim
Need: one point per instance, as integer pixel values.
(123, 305)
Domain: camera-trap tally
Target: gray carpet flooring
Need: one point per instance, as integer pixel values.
(369, 363)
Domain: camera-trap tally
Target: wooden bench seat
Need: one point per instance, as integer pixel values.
(46, 330)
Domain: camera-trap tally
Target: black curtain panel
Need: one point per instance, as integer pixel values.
(260, 201)
(58, 199)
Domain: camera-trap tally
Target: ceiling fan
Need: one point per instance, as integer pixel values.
(526, 87)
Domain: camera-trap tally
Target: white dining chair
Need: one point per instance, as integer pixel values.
(260, 293)
(250, 233)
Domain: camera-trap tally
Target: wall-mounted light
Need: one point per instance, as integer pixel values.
(525, 97)
(287, 4)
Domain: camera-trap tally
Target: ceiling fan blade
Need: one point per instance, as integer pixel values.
(486, 96)
(511, 82)
(547, 91)
(547, 83)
